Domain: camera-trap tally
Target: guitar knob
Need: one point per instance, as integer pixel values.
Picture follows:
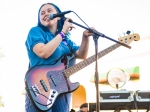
(128, 32)
(54, 92)
(52, 96)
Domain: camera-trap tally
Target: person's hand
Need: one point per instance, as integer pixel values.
(67, 26)
(87, 33)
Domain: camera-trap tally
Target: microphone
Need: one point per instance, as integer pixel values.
(52, 16)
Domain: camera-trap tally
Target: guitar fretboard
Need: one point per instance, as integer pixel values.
(68, 72)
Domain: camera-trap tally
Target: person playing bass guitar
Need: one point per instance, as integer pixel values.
(46, 43)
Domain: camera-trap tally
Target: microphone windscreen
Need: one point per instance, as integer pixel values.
(51, 17)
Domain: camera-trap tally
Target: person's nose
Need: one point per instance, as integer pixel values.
(47, 13)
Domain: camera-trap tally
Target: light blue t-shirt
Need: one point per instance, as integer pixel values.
(37, 35)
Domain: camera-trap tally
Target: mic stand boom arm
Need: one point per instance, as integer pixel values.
(98, 33)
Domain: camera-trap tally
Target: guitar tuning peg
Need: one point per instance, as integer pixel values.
(128, 32)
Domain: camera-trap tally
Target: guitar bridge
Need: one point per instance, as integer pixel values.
(36, 90)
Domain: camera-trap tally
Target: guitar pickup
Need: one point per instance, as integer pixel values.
(44, 85)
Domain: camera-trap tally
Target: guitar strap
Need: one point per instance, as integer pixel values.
(69, 93)
(70, 49)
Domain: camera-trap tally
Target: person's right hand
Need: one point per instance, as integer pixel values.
(67, 26)
(87, 33)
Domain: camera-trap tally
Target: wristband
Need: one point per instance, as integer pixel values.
(63, 32)
(62, 35)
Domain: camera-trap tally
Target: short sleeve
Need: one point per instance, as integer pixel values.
(35, 36)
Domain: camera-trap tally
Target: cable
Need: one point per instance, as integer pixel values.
(81, 19)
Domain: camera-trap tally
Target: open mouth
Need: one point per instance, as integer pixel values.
(46, 19)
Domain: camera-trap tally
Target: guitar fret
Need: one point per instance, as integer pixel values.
(82, 64)
(67, 73)
(117, 45)
(88, 61)
(71, 72)
(77, 66)
(73, 69)
(64, 73)
(114, 46)
(110, 49)
(106, 51)
(101, 54)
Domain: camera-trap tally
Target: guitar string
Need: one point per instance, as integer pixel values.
(74, 69)
(56, 75)
(80, 65)
(40, 87)
(59, 74)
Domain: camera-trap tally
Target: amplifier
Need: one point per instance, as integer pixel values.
(116, 96)
(115, 100)
(123, 100)
(142, 95)
(142, 98)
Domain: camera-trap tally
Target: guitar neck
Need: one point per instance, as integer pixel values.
(68, 72)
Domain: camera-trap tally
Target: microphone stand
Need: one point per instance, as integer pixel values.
(96, 35)
(95, 38)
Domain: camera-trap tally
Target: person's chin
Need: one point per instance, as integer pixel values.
(46, 24)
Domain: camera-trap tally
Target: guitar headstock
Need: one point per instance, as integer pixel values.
(129, 38)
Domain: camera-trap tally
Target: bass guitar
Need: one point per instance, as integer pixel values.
(44, 83)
